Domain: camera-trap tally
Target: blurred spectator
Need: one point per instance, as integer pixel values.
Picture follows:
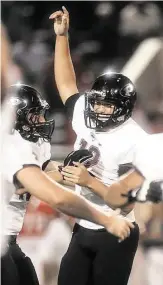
(155, 119)
(153, 246)
(138, 20)
(31, 53)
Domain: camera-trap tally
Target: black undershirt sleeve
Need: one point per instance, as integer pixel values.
(45, 164)
(124, 168)
(70, 104)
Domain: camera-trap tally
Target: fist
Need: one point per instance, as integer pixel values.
(61, 22)
(119, 226)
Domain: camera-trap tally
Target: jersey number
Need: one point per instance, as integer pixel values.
(93, 149)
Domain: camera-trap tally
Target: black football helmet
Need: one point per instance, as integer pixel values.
(110, 89)
(28, 106)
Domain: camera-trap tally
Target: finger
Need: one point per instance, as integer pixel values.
(65, 11)
(64, 20)
(56, 14)
(69, 170)
(78, 164)
(65, 174)
(131, 225)
(121, 237)
(126, 232)
(70, 180)
(73, 170)
(120, 240)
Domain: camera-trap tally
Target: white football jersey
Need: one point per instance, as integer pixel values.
(20, 152)
(111, 150)
(7, 116)
(148, 158)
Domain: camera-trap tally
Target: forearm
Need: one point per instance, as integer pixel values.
(79, 207)
(63, 68)
(110, 194)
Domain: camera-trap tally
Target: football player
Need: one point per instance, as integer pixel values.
(26, 152)
(102, 121)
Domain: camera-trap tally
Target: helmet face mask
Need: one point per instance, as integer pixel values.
(30, 109)
(110, 90)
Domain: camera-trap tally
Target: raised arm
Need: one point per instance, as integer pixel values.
(64, 73)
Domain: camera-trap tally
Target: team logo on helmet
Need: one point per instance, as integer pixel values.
(127, 90)
(15, 101)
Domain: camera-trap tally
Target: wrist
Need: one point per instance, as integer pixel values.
(65, 34)
(105, 219)
(90, 181)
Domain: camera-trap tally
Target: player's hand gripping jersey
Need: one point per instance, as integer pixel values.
(113, 150)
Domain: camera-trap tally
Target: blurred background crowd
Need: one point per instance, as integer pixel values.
(104, 36)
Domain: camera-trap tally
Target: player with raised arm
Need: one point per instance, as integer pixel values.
(102, 121)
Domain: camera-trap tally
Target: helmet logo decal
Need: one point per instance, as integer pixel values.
(15, 101)
(127, 90)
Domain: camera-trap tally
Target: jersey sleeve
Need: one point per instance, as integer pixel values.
(148, 158)
(70, 105)
(17, 154)
(134, 136)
